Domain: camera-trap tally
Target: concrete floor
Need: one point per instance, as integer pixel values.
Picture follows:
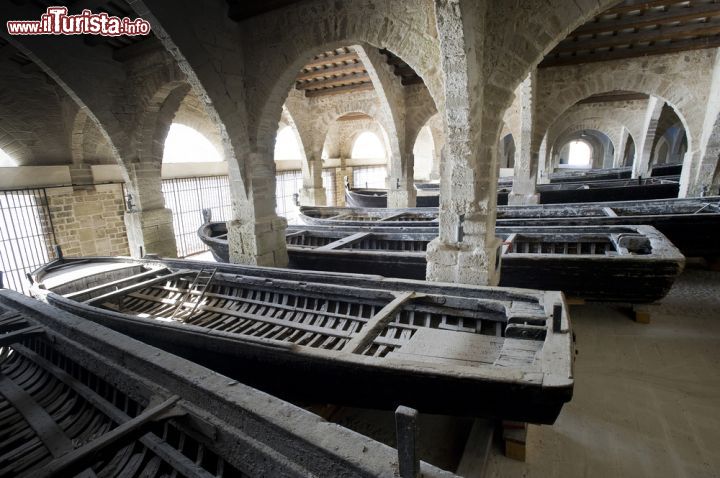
(647, 397)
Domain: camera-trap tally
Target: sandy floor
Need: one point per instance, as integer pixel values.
(647, 397)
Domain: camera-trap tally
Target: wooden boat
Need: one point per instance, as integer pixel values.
(554, 193)
(633, 264)
(602, 191)
(363, 197)
(570, 175)
(356, 340)
(77, 399)
(666, 170)
(692, 225)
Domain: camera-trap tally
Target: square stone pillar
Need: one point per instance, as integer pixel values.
(402, 198)
(313, 196)
(151, 232)
(260, 243)
(527, 155)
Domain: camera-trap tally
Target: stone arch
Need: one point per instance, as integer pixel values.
(671, 82)
(600, 125)
(589, 136)
(507, 150)
(334, 25)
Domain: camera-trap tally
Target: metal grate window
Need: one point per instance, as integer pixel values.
(369, 177)
(328, 179)
(26, 235)
(287, 184)
(187, 197)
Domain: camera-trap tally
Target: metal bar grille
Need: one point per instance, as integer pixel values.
(26, 235)
(187, 197)
(372, 177)
(287, 184)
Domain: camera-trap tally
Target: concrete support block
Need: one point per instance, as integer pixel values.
(517, 199)
(402, 198)
(462, 263)
(313, 197)
(152, 232)
(260, 243)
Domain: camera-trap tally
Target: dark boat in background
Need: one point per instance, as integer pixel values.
(692, 225)
(336, 338)
(554, 193)
(78, 399)
(361, 197)
(634, 264)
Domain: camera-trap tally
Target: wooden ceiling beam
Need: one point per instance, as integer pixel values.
(666, 33)
(654, 18)
(608, 98)
(674, 47)
(355, 117)
(626, 7)
(329, 60)
(330, 82)
(339, 90)
(336, 70)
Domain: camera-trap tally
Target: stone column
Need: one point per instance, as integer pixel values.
(619, 141)
(641, 165)
(701, 167)
(149, 223)
(313, 191)
(526, 158)
(401, 184)
(466, 250)
(257, 234)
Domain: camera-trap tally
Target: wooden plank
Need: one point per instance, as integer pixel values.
(632, 5)
(72, 295)
(673, 14)
(18, 335)
(246, 315)
(377, 323)
(335, 70)
(335, 81)
(44, 426)
(340, 90)
(406, 432)
(128, 289)
(609, 212)
(330, 60)
(614, 97)
(177, 460)
(663, 33)
(344, 241)
(635, 52)
(118, 437)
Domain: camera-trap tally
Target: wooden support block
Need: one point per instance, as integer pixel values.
(575, 301)
(642, 316)
(515, 438)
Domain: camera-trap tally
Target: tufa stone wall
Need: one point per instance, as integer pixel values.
(89, 222)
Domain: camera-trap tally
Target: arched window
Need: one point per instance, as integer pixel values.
(287, 147)
(185, 145)
(580, 154)
(368, 146)
(6, 161)
(423, 153)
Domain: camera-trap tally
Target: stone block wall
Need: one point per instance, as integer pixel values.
(89, 222)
